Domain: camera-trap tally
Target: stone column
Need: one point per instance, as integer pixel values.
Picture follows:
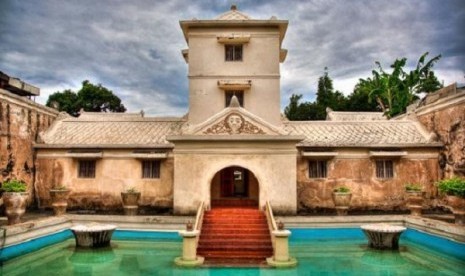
(281, 250)
(189, 249)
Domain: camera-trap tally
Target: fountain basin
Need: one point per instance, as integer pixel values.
(93, 235)
(383, 236)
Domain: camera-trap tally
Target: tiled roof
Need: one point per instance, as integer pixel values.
(354, 116)
(111, 130)
(381, 133)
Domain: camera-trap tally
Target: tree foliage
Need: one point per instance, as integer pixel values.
(326, 97)
(390, 92)
(396, 90)
(91, 97)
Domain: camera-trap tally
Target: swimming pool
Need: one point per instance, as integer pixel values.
(341, 251)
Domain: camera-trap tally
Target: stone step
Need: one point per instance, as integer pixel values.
(228, 231)
(236, 243)
(229, 215)
(232, 235)
(236, 254)
(238, 227)
(239, 222)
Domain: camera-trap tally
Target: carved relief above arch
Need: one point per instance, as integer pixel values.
(234, 123)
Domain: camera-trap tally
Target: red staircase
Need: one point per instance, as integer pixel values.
(235, 235)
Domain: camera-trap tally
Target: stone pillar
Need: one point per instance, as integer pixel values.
(281, 250)
(189, 249)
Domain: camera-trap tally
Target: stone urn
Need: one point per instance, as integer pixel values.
(15, 206)
(414, 202)
(457, 206)
(341, 199)
(130, 200)
(59, 199)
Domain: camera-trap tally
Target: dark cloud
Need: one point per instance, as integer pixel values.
(133, 47)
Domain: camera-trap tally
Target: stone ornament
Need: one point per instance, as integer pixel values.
(234, 123)
(382, 235)
(93, 235)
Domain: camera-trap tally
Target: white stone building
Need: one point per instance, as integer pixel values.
(234, 147)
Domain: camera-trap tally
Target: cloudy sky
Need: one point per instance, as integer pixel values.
(133, 47)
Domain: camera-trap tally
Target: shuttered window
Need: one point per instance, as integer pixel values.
(151, 169)
(384, 169)
(233, 52)
(86, 169)
(317, 169)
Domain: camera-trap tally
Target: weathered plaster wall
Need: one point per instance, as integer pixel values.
(21, 120)
(444, 114)
(356, 170)
(113, 175)
(272, 163)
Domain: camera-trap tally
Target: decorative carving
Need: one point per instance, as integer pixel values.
(234, 123)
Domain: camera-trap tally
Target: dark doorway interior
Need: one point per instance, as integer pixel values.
(234, 182)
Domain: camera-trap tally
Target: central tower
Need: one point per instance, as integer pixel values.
(234, 55)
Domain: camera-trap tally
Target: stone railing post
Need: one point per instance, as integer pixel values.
(189, 249)
(281, 256)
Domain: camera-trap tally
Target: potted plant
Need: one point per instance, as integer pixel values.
(130, 199)
(14, 199)
(414, 198)
(341, 199)
(454, 189)
(59, 196)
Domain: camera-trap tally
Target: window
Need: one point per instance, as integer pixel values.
(384, 169)
(239, 94)
(151, 169)
(86, 169)
(233, 52)
(317, 169)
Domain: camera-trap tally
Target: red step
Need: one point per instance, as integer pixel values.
(235, 235)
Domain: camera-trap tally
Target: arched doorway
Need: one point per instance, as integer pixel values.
(234, 186)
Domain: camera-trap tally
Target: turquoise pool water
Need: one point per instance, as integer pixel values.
(319, 252)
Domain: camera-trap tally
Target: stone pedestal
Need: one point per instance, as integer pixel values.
(130, 203)
(342, 210)
(189, 249)
(15, 206)
(457, 206)
(414, 202)
(341, 202)
(281, 250)
(383, 236)
(59, 201)
(93, 235)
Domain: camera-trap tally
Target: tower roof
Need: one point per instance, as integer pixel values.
(233, 14)
(233, 19)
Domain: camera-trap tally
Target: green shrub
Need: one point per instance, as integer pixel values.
(60, 188)
(453, 186)
(413, 187)
(131, 190)
(14, 186)
(341, 189)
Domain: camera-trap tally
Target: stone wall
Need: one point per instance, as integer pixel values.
(444, 113)
(357, 171)
(114, 173)
(21, 120)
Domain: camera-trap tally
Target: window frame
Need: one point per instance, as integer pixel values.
(150, 173)
(230, 54)
(228, 94)
(321, 171)
(384, 169)
(87, 168)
